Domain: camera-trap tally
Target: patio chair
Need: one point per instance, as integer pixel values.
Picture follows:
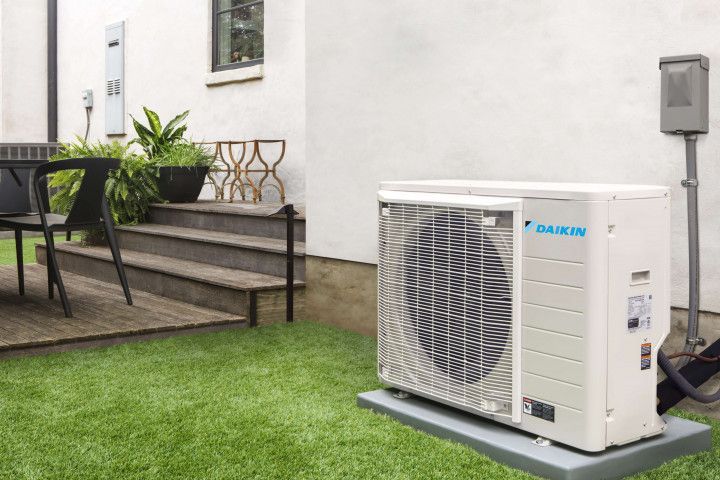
(90, 209)
(15, 193)
(15, 196)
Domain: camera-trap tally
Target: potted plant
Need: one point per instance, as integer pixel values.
(181, 165)
(182, 169)
(129, 190)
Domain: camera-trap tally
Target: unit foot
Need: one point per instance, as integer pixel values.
(542, 442)
(402, 395)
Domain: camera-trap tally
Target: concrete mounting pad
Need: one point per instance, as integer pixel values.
(515, 448)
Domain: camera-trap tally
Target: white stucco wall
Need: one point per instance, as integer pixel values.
(167, 57)
(23, 71)
(557, 90)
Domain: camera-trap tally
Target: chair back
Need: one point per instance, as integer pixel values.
(90, 198)
(14, 197)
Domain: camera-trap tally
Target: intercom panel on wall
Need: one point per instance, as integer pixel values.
(115, 79)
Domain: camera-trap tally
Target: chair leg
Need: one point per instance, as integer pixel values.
(20, 266)
(50, 244)
(112, 241)
(51, 282)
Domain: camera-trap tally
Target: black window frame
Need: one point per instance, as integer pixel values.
(216, 12)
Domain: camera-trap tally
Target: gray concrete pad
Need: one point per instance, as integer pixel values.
(515, 448)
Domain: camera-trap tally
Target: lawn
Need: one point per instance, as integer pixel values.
(7, 248)
(273, 402)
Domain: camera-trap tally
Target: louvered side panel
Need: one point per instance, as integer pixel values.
(446, 280)
(27, 151)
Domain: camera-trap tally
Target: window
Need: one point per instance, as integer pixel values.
(237, 33)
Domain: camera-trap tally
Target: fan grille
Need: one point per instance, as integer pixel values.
(445, 303)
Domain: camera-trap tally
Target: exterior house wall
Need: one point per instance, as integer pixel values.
(528, 90)
(23, 71)
(167, 60)
(2, 4)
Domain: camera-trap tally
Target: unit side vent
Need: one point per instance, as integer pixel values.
(445, 279)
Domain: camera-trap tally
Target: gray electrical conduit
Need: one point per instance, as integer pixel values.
(693, 304)
(87, 123)
(691, 185)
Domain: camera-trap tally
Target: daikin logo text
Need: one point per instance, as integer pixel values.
(561, 230)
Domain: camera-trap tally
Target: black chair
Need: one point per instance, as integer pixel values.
(90, 209)
(16, 192)
(15, 196)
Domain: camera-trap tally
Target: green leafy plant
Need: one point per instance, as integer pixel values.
(184, 154)
(130, 189)
(156, 139)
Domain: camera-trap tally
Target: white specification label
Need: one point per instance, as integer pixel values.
(639, 315)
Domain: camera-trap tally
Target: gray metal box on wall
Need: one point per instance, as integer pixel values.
(114, 79)
(684, 93)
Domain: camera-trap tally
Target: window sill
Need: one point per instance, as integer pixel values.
(243, 74)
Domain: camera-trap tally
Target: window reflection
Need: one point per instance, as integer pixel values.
(240, 31)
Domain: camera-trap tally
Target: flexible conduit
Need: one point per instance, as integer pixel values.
(694, 276)
(691, 185)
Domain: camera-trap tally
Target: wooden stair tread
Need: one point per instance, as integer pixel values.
(267, 244)
(202, 272)
(269, 210)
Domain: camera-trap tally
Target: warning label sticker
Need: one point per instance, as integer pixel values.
(538, 409)
(645, 356)
(639, 313)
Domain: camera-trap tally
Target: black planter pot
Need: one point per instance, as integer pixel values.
(181, 184)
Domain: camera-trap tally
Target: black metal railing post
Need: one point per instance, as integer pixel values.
(252, 307)
(289, 261)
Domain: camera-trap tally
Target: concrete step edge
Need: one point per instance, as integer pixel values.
(235, 240)
(188, 272)
(225, 208)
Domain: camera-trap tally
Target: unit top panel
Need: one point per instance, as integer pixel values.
(562, 191)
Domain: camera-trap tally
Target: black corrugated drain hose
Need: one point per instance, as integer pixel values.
(682, 383)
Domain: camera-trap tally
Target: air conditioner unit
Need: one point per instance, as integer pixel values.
(538, 305)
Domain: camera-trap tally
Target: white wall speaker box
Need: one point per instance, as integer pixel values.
(538, 305)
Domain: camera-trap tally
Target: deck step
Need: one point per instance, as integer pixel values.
(34, 324)
(231, 250)
(241, 218)
(211, 286)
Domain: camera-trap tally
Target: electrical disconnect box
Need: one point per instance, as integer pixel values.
(684, 94)
(87, 97)
(114, 79)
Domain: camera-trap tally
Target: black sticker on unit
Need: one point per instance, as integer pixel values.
(645, 356)
(539, 409)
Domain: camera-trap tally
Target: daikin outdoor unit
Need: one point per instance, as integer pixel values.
(538, 305)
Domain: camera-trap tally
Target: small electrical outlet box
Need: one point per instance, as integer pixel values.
(87, 97)
(684, 94)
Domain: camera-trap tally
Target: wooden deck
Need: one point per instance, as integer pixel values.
(34, 324)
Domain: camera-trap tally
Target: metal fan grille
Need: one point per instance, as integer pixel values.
(445, 304)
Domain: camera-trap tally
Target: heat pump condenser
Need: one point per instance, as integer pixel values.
(538, 305)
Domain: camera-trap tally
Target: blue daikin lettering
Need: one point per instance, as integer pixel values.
(560, 230)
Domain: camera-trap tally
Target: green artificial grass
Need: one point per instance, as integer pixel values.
(274, 402)
(7, 248)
